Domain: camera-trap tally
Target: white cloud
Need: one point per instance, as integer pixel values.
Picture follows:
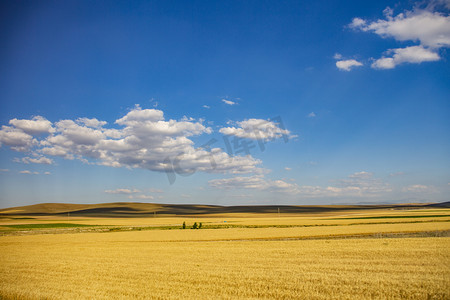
(28, 172)
(361, 184)
(256, 129)
(357, 23)
(94, 123)
(132, 193)
(229, 102)
(347, 65)
(147, 197)
(413, 54)
(152, 190)
(312, 115)
(257, 182)
(36, 125)
(337, 56)
(241, 196)
(361, 175)
(250, 182)
(384, 63)
(4, 170)
(122, 191)
(73, 133)
(287, 168)
(417, 188)
(144, 140)
(16, 138)
(206, 106)
(39, 160)
(432, 4)
(47, 173)
(427, 27)
(138, 115)
(431, 29)
(56, 151)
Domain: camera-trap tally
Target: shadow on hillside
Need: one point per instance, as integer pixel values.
(122, 210)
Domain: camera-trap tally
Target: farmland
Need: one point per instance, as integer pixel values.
(351, 253)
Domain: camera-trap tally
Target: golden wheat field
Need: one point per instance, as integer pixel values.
(365, 255)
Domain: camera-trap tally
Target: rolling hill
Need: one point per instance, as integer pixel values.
(136, 209)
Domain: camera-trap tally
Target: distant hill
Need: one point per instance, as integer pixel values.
(135, 209)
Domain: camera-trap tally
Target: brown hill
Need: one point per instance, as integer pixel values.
(135, 209)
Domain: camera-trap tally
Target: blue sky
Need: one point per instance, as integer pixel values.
(321, 102)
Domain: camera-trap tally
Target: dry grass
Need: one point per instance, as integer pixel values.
(128, 265)
(232, 263)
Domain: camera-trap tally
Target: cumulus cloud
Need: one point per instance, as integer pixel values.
(343, 65)
(37, 160)
(425, 26)
(4, 170)
(122, 191)
(417, 188)
(36, 125)
(132, 193)
(361, 175)
(251, 182)
(143, 138)
(430, 29)
(361, 184)
(257, 129)
(91, 122)
(433, 4)
(229, 102)
(347, 65)
(145, 197)
(28, 172)
(257, 182)
(16, 138)
(312, 115)
(206, 106)
(413, 54)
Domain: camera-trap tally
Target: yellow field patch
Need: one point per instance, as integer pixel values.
(283, 257)
(130, 265)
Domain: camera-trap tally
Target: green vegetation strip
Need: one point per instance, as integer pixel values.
(393, 217)
(71, 227)
(226, 226)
